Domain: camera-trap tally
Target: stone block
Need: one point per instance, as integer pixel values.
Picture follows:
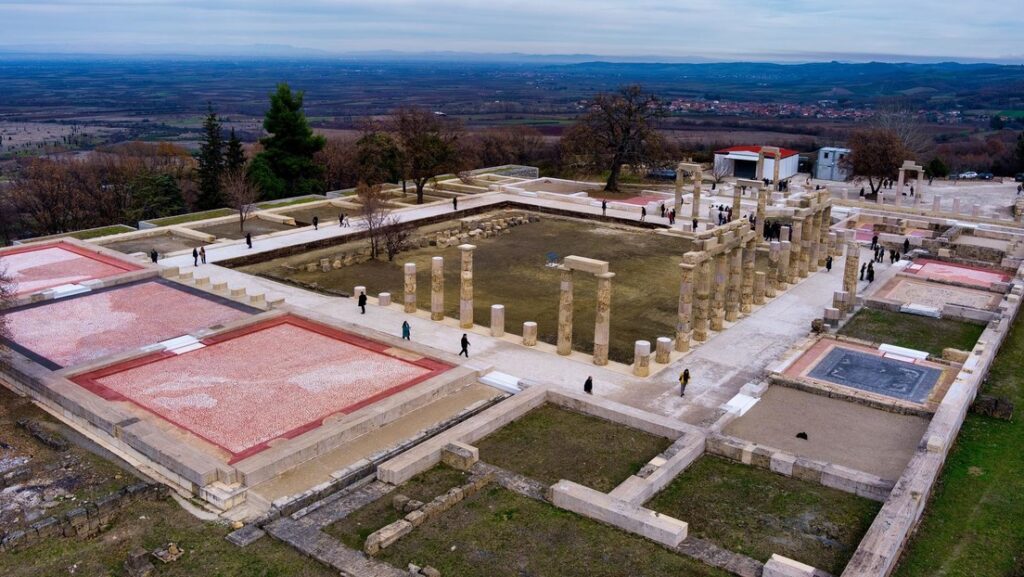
(460, 456)
(384, 299)
(663, 350)
(626, 516)
(782, 463)
(429, 571)
(416, 518)
(530, 334)
(386, 536)
(399, 502)
(779, 566)
(497, 320)
(642, 358)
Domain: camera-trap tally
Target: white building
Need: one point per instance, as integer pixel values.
(828, 166)
(741, 162)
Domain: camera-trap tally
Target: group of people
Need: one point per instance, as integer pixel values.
(772, 230)
(684, 381)
(669, 213)
(724, 214)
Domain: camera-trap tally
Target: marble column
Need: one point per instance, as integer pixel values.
(437, 288)
(810, 241)
(747, 286)
(410, 287)
(663, 350)
(678, 204)
(603, 318)
(775, 278)
(786, 265)
(936, 204)
(851, 273)
(760, 287)
(642, 358)
(695, 211)
(796, 252)
(685, 311)
(466, 287)
(760, 165)
(497, 320)
(702, 306)
(736, 207)
(732, 293)
(565, 313)
(530, 334)
(762, 205)
(778, 164)
(899, 187)
(956, 205)
(718, 291)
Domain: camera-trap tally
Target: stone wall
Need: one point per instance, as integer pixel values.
(84, 521)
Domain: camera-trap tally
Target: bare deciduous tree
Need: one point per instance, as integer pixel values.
(396, 236)
(876, 155)
(374, 210)
(241, 194)
(429, 144)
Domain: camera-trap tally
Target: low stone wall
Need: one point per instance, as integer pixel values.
(661, 470)
(621, 514)
(84, 521)
(789, 465)
(390, 534)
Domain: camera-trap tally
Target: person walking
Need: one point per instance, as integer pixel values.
(663, 210)
(406, 331)
(643, 213)
(455, 203)
(604, 208)
(863, 268)
(874, 242)
(694, 225)
(684, 380)
(828, 264)
(195, 257)
(202, 254)
(672, 217)
(906, 245)
(588, 386)
(248, 239)
(316, 223)
(465, 346)
(153, 255)
(362, 302)
(341, 219)
(871, 272)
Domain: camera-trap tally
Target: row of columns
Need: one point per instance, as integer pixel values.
(602, 318)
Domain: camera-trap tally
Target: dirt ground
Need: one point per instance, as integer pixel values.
(255, 226)
(841, 432)
(510, 270)
(163, 244)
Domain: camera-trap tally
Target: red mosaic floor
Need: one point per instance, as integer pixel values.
(70, 331)
(962, 274)
(35, 268)
(276, 379)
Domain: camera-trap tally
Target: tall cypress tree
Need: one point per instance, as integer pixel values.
(211, 164)
(234, 157)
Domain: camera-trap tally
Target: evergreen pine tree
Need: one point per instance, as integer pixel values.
(234, 157)
(286, 166)
(211, 164)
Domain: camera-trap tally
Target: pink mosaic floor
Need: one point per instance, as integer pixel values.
(38, 268)
(71, 331)
(944, 271)
(276, 379)
(922, 292)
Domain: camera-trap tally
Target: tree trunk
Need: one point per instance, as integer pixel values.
(613, 178)
(419, 190)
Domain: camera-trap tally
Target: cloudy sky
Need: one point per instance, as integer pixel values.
(719, 29)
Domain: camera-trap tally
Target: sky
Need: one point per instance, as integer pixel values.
(793, 30)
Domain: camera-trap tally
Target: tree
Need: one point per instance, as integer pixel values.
(378, 158)
(211, 164)
(509, 145)
(617, 130)
(875, 154)
(374, 211)
(234, 154)
(395, 236)
(1019, 152)
(338, 163)
(429, 145)
(286, 166)
(936, 168)
(242, 194)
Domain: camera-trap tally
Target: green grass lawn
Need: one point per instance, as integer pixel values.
(498, 533)
(290, 202)
(758, 513)
(103, 232)
(912, 331)
(550, 443)
(974, 523)
(354, 529)
(193, 216)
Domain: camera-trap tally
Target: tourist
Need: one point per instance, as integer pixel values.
(316, 223)
(604, 208)
(406, 331)
(672, 216)
(341, 219)
(153, 255)
(195, 257)
(828, 264)
(455, 203)
(911, 190)
(863, 267)
(663, 210)
(871, 272)
(362, 302)
(588, 386)
(465, 346)
(862, 191)
(874, 242)
(202, 254)
(643, 213)
(248, 239)
(906, 245)
(694, 225)
(684, 380)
